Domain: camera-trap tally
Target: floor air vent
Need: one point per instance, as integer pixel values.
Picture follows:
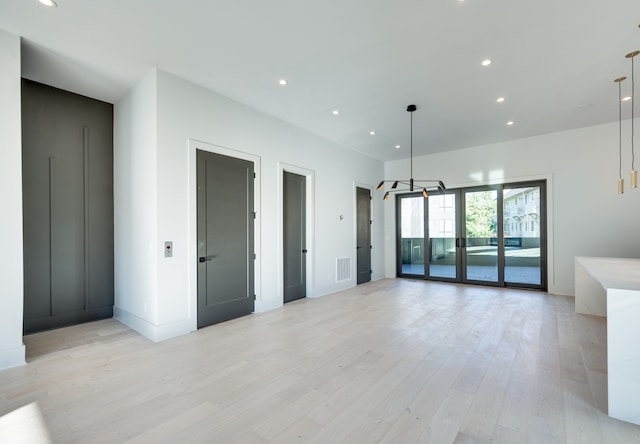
(343, 269)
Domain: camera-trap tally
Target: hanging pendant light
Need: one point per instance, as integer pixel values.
(633, 177)
(434, 184)
(619, 80)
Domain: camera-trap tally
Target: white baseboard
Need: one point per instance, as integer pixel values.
(12, 357)
(151, 331)
(269, 304)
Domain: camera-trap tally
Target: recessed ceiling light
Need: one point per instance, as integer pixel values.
(373, 133)
(510, 122)
(49, 3)
(398, 146)
(486, 62)
(500, 99)
(335, 112)
(283, 82)
(626, 99)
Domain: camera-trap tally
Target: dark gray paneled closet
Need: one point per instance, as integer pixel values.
(67, 174)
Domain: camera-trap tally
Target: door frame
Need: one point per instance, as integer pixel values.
(310, 226)
(192, 223)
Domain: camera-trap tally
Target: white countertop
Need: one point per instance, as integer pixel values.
(613, 272)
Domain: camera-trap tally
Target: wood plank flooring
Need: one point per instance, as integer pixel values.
(392, 361)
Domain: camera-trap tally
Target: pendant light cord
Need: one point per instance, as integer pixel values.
(633, 90)
(411, 145)
(620, 129)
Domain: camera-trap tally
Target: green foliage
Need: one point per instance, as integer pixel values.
(481, 214)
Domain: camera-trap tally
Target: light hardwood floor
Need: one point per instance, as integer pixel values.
(393, 361)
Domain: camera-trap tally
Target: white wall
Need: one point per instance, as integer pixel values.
(189, 116)
(135, 208)
(12, 352)
(587, 216)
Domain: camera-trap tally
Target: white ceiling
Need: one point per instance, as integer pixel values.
(553, 60)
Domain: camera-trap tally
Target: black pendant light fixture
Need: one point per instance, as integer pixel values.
(425, 184)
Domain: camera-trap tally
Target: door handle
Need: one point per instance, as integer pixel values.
(358, 247)
(304, 251)
(205, 258)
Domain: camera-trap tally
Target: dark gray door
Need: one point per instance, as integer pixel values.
(294, 218)
(225, 238)
(363, 234)
(67, 171)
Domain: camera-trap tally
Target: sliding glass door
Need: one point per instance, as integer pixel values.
(411, 235)
(443, 237)
(522, 234)
(491, 235)
(480, 242)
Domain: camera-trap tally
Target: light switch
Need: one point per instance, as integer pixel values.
(168, 249)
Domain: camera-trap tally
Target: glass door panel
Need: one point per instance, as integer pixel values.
(481, 233)
(442, 237)
(521, 213)
(412, 235)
